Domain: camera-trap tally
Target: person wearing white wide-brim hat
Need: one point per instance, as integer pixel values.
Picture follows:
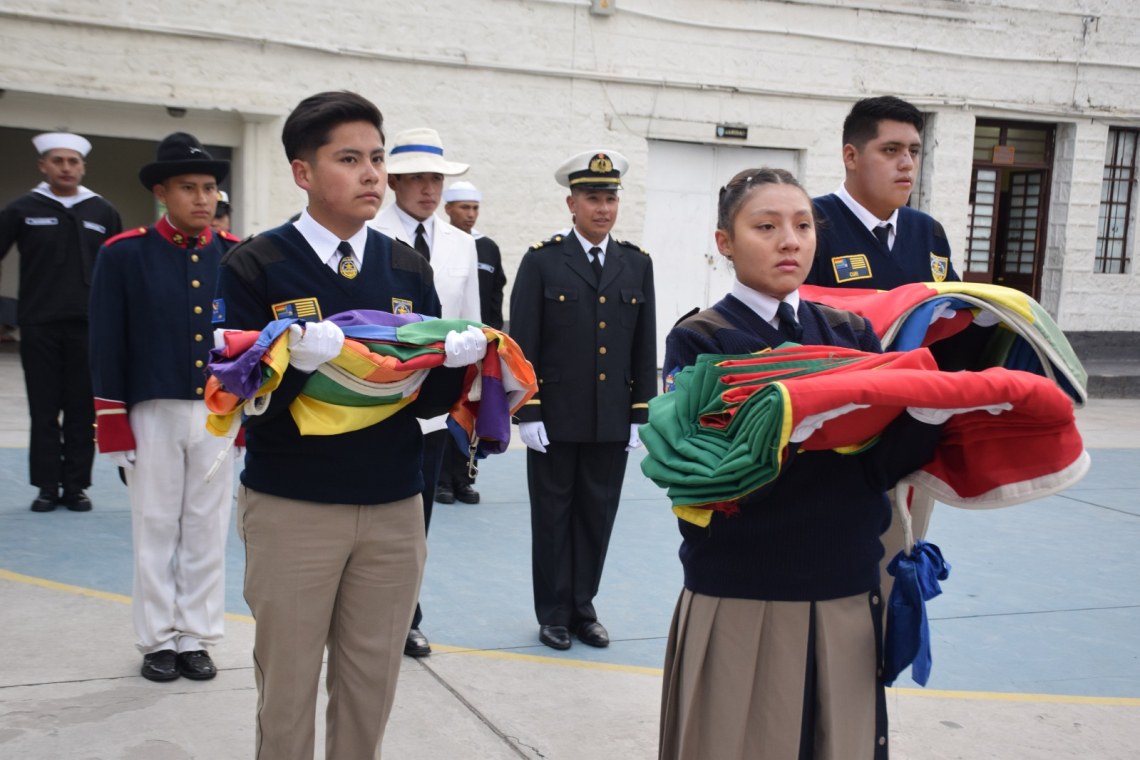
(58, 227)
(416, 168)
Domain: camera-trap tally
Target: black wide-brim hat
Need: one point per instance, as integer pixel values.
(181, 153)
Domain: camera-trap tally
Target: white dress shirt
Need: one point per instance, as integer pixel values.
(869, 220)
(325, 243)
(764, 305)
(587, 245)
(410, 223)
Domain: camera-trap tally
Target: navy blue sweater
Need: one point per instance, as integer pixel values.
(921, 252)
(278, 274)
(813, 533)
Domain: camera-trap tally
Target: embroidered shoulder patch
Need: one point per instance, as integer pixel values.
(939, 266)
(401, 306)
(219, 311)
(300, 308)
(848, 268)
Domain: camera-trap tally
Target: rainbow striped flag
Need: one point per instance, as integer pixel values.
(379, 371)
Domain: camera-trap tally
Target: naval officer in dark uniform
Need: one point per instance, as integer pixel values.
(582, 310)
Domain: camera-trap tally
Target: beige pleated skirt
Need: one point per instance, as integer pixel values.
(757, 680)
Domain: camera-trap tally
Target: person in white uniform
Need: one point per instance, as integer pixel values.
(416, 168)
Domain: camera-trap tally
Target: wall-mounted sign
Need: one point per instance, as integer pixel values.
(739, 133)
(1003, 154)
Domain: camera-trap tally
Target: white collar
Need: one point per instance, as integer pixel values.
(325, 242)
(476, 233)
(410, 223)
(587, 245)
(68, 201)
(764, 305)
(869, 220)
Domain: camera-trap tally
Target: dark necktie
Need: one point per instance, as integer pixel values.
(788, 324)
(883, 233)
(421, 242)
(596, 264)
(347, 267)
(191, 243)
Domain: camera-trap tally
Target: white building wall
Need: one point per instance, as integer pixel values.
(515, 86)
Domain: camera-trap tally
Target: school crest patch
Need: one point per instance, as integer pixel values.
(300, 308)
(401, 306)
(939, 266)
(848, 268)
(219, 311)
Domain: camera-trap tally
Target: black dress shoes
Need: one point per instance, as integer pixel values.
(555, 636)
(160, 666)
(467, 494)
(416, 645)
(76, 502)
(46, 501)
(444, 495)
(593, 633)
(196, 665)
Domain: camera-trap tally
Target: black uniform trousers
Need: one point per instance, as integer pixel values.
(58, 378)
(574, 493)
(434, 446)
(454, 471)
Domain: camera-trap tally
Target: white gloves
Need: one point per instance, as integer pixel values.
(313, 345)
(634, 438)
(533, 434)
(124, 459)
(239, 453)
(464, 348)
(939, 416)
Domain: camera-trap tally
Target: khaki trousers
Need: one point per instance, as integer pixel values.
(341, 576)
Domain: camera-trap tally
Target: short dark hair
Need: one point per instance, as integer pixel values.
(309, 125)
(733, 194)
(862, 124)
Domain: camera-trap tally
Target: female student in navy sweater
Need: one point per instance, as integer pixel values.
(775, 648)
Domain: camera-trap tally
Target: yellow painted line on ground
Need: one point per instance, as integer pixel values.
(977, 696)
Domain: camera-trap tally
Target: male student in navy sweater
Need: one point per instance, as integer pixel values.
(332, 525)
(870, 238)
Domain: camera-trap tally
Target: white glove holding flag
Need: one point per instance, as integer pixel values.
(939, 416)
(634, 437)
(464, 348)
(533, 434)
(124, 459)
(313, 345)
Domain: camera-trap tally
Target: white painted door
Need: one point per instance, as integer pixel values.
(680, 218)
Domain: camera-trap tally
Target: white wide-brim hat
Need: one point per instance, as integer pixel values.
(462, 191)
(420, 151)
(52, 140)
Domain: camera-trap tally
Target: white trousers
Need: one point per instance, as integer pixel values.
(179, 523)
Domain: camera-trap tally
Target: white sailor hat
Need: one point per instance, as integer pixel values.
(420, 151)
(593, 170)
(52, 140)
(462, 191)
(223, 197)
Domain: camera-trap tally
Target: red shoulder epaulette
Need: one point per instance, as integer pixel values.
(136, 232)
(230, 237)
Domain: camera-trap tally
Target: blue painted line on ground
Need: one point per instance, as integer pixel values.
(1043, 597)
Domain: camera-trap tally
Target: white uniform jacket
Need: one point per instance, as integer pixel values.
(455, 266)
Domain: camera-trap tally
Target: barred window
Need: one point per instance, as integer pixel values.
(1116, 202)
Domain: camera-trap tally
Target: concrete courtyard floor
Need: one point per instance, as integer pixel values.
(1036, 638)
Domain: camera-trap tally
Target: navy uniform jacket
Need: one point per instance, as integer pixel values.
(58, 246)
(848, 255)
(150, 313)
(593, 348)
(492, 280)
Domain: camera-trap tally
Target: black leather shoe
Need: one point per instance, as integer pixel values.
(76, 502)
(467, 494)
(444, 495)
(196, 665)
(555, 636)
(593, 633)
(160, 666)
(46, 501)
(416, 645)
